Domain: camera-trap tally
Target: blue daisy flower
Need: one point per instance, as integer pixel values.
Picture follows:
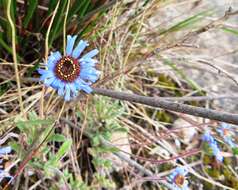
(207, 137)
(225, 131)
(216, 152)
(178, 179)
(5, 150)
(71, 73)
(3, 173)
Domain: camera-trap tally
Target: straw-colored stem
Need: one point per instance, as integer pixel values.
(64, 29)
(46, 57)
(15, 57)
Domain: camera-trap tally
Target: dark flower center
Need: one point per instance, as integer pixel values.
(179, 180)
(67, 69)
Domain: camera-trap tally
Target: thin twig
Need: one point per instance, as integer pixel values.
(46, 56)
(220, 70)
(177, 107)
(199, 98)
(64, 29)
(8, 135)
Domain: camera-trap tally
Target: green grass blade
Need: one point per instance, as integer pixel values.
(187, 22)
(5, 46)
(84, 9)
(79, 8)
(76, 8)
(32, 4)
(8, 48)
(57, 25)
(51, 7)
(7, 27)
(232, 31)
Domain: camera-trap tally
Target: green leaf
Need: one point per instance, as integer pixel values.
(207, 149)
(235, 151)
(34, 122)
(32, 69)
(32, 4)
(107, 135)
(99, 162)
(104, 149)
(4, 87)
(57, 138)
(61, 152)
(96, 140)
(15, 146)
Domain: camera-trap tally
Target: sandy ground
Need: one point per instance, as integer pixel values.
(212, 61)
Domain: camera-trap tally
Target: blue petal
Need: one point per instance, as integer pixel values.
(219, 157)
(73, 90)
(181, 171)
(90, 70)
(89, 60)
(88, 63)
(70, 44)
(90, 74)
(61, 91)
(185, 187)
(87, 89)
(91, 77)
(175, 187)
(172, 175)
(42, 71)
(47, 75)
(49, 81)
(53, 59)
(5, 150)
(79, 49)
(78, 84)
(207, 137)
(220, 131)
(81, 85)
(225, 125)
(56, 83)
(90, 54)
(229, 141)
(61, 83)
(67, 92)
(216, 152)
